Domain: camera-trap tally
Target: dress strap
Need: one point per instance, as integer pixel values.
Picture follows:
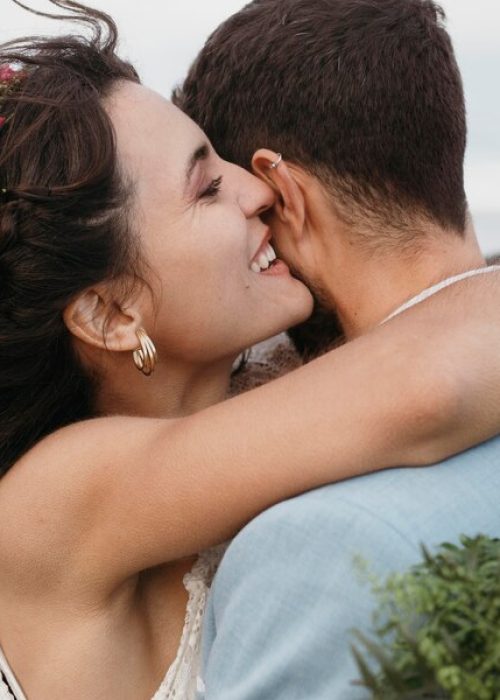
(6, 692)
(9, 687)
(438, 287)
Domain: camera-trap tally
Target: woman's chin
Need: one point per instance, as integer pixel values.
(293, 310)
(298, 304)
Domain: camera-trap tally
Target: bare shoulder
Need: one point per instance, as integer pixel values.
(52, 498)
(77, 458)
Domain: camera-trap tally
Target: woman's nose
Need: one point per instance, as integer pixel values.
(256, 196)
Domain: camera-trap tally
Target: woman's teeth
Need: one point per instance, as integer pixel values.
(264, 259)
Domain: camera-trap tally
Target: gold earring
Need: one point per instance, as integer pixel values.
(145, 356)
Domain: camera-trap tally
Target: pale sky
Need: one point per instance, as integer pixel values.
(162, 37)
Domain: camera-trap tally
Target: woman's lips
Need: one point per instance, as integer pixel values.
(278, 267)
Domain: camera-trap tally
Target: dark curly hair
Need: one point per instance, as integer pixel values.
(365, 94)
(63, 220)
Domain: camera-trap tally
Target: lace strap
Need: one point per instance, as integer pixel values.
(9, 687)
(6, 692)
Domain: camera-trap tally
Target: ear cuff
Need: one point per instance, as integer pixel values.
(275, 163)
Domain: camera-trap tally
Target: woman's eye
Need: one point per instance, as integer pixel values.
(213, 188)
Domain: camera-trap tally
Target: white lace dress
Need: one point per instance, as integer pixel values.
(183, 680)
(8, 683)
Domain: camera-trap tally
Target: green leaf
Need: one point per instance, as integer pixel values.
(437, 626)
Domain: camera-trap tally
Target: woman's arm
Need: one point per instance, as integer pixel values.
(413, 391)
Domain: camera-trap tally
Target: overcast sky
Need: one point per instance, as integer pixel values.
(162, 37)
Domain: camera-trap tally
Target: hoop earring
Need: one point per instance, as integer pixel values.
(145, 356)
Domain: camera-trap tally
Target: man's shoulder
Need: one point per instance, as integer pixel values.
(294, 572)
(406, 506)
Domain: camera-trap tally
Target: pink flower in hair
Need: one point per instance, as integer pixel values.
(6, 73)
(10, 82)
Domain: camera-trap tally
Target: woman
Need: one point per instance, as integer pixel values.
(120, 226)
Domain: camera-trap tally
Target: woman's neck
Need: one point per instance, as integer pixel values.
(172, 391)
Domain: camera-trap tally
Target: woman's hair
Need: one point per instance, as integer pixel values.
(63, 219)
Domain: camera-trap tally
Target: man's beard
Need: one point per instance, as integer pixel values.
(322, 331)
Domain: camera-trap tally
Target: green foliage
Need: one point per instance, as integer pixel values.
(437, 628)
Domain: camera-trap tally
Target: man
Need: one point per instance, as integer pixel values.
(364, 100)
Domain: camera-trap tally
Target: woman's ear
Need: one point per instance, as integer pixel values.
(290, 207)
(95, 318)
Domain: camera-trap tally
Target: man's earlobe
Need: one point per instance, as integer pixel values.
(290, 206)
(101, 323)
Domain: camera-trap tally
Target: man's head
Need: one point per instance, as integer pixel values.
(364, 94)
(365, 101)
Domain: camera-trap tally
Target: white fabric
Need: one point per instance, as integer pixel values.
(183, 680)
(5, 693)
(438, 287)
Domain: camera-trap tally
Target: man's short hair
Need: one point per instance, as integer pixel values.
(364, 94)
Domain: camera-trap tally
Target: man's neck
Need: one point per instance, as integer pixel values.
(364, 289)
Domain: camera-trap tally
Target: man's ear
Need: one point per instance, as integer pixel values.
(290, 207)
(96, 319)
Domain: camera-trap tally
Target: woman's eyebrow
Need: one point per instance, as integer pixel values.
(201, 153)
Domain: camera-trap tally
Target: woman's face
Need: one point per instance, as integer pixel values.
(201, 236)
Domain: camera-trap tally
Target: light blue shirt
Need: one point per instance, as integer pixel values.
(287, 594)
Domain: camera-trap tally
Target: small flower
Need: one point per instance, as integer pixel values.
(2, 121)
(7, 73)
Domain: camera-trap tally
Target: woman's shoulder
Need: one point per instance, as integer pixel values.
(81, 447)
(48, 495)
(42, 496)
